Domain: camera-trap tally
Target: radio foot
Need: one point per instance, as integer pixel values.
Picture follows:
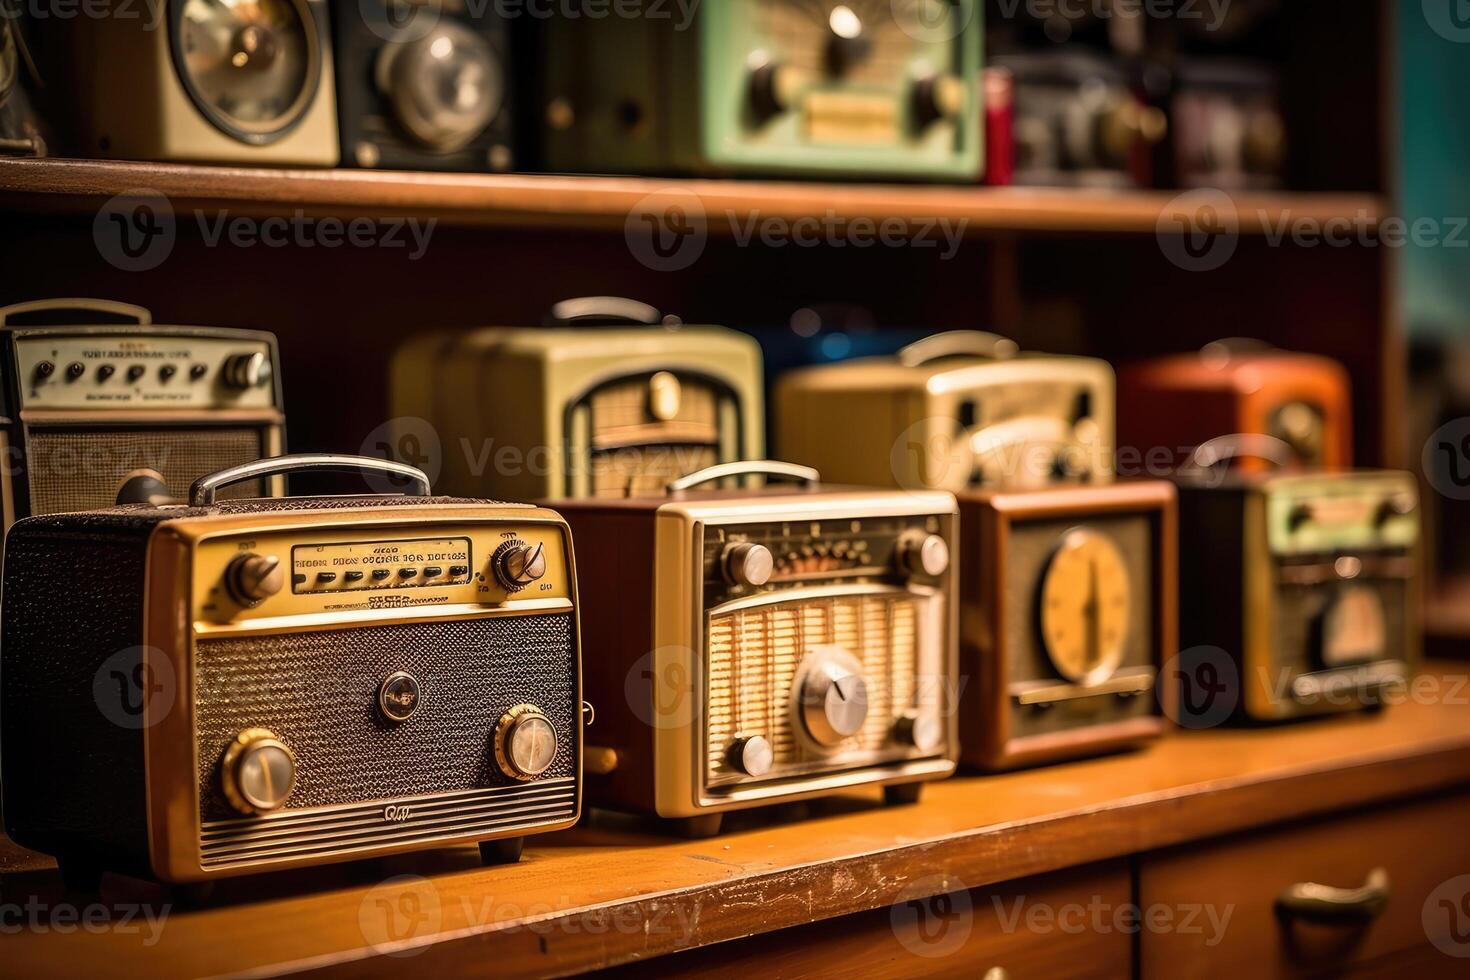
(695, 828)
(506, 850)
(902, 794)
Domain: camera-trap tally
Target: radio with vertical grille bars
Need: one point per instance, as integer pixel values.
(97, 413)
(193, 691)
(770, 644)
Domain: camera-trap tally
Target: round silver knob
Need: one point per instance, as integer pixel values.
(834, 699)
(923, 732)
(251, 579)
(258, 771)
(245, 371)
(518, 564)
(749, 564)
(923, 554)
(525, 742)
(752, 755)
(445, 87)
(941, 96)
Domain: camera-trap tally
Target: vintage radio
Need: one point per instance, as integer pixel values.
(216, 83)
(769, 644)
(770, 86)
(1227, 126)
(1307, 582)
(97, 413)
(955, 410)
(1070, 613)
(21, 129)
(203, 690)
(1077, 122)
(571, 411)
(424, 86)
(1231, 388)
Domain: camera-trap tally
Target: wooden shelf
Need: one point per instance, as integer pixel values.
(608, 892)
(605, 202)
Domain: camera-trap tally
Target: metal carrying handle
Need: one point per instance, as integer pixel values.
(604, 309)
(203, 492)
(138, 313)
(763, 467)
(954, 343)
(1227, 347)
(1327, 905)
(1221, 449)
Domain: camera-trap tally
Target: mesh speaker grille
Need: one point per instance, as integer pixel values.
(754, 654)
(318, 692)
(73, 469)
(635, 453)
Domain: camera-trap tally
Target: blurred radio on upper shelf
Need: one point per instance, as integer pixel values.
(1298, 593)
(217, 83)
(956, 410)
(21, 129)
(1300, 402)
(1227, 126)
(579, 411)
(869, 89)
(202, 690)
(99, 411)
(767, 645)
(424, 85)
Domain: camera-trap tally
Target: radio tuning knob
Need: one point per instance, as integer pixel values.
(1399, 505)
(251, 579)
(258, 771)
(244, 371)
(773, 88)
(923, 554)
(834, 701)
(525, 742)
(923, 732)
(519, 564)
(752, 755)
(939, 96)
(749, 564)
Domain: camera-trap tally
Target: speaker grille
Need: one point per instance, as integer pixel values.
(318, 692)
(754, 654)
(635, 453)
(72, 469)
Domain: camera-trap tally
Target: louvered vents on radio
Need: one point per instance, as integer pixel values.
(634, 451)
(753, 657)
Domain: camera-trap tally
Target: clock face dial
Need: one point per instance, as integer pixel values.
(1085, 595)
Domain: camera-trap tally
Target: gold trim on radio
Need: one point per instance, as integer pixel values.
(1135, 683)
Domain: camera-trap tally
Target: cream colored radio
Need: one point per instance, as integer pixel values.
(767, 645)
(960, 410)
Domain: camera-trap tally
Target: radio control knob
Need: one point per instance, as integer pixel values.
(258, 771)
(773, 88)
(525, 742)
(923, 732)
(518, 565)
(834, 701)
(939, 97)
(244, 371)
(753, 755)
(923, 554)
(251, 579)
(1399, 505)
(749, 564)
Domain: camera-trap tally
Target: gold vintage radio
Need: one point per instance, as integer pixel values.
(1070, 614)
(957, 410)
(579, 411)
(195, 691)
(215, 82)
(768, 644)
(96, 413)
(1306, 583)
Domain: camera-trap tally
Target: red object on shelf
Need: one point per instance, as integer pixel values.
(1000, 146)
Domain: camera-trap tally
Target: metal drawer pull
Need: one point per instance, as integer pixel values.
(1323, 903)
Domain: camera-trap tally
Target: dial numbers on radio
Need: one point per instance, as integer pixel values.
(1085, 595)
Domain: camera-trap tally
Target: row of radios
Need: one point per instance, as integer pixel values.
(785, 86)
(252, 683)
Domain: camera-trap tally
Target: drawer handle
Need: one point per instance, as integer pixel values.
(1324, 904)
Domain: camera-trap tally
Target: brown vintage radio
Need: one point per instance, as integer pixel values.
(580, 411)
(1230, 388)
(97, 413)
(956, 410)
(768, 644)
(201, 690)
(1070, 611)
(1303, 587)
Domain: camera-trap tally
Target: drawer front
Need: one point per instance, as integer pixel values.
(1074, 924)
(1414, 851)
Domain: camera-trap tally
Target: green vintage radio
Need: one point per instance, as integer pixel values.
(866, 88)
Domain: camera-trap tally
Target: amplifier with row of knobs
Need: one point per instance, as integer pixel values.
(238, 685)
